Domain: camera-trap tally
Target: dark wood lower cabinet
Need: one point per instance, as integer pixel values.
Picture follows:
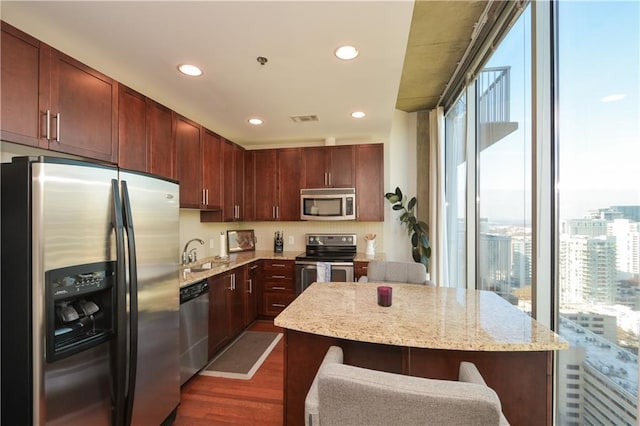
(277, 286)
(522, 380)
(218, 327)
(227, 307)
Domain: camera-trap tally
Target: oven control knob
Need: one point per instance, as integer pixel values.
(344, 239)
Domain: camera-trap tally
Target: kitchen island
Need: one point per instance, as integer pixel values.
(426, 332)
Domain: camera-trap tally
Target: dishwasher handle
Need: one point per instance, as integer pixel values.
(193, 291)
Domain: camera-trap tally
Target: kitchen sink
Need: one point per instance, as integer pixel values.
(201, 268)
(207, 265)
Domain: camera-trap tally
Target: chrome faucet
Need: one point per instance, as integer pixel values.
(190, 256)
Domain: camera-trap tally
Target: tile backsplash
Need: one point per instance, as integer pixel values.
(191, 227)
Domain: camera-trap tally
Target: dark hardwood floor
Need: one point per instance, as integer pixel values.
(219, 401)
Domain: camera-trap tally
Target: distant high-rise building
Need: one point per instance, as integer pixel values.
(599, 378)
(627, 237)
(495, 263)
(589, 227)
(521, 260)
(587, 269)
(628, 212)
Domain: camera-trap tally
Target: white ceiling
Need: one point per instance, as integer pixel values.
(141, 43)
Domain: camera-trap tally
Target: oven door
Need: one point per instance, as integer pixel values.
(307, 273)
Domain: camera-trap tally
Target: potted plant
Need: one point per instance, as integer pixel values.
(418, 230)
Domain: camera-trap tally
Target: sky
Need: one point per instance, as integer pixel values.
(599, 114)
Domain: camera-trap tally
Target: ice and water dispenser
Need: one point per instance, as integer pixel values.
(80, 303)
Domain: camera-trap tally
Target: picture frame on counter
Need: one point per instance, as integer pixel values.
(241, 240)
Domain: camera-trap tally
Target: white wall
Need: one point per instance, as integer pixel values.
(400, 167)
(392, 240)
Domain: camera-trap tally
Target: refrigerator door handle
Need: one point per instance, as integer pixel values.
(118, 349)
(133, 304)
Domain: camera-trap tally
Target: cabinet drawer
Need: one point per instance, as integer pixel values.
(279, 286)
(279, 265)
(275, 303)
(360, 269)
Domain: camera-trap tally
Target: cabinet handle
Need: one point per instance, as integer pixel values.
(278, 288)
(58, 127)
(278, 305)
(273, 212)
(279, 265)
(47, 125)
(280, 277)
(253, 267)
(206, 191)
(325, 179)
(277, 212)
(329, 178)
(250, 286)
(204, 198)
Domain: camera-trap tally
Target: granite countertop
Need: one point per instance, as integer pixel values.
(235, 260)
(242, 258)
(420, 317)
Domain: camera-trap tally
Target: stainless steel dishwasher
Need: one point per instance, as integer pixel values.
(194, 329)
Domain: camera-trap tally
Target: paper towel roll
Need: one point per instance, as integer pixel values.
(223, 245)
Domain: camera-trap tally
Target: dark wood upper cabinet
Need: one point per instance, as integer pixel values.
(276, 184)
(265, 184)
(329, 166)
(289, 181)
(249, 186)
(83, 108)
(189, 160)
(370, 182)
(145, 134)
(132, 130)
(211, 170)
(52, 101)
(232, 181)
(20, 121)
(161, 145)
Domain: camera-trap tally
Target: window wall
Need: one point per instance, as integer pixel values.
(456, 191)
(503, 146)
(598, 146)
(590, 72)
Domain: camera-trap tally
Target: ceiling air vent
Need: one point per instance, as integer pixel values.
(303, 118)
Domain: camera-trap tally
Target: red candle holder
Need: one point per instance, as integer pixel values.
(384, 295)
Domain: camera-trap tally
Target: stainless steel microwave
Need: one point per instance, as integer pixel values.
(328, 204)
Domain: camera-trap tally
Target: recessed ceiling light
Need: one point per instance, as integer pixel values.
(358, 114)
(346, 52)
(255, 121)
(190, 70)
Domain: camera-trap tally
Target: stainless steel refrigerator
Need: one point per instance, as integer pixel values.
(89, 295)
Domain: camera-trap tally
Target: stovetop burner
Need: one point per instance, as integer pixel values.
(329, 248)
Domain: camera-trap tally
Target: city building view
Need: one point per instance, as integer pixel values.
(542, 193)
(599, 277)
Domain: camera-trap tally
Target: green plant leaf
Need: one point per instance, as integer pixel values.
(412, 203)
(398, 192)
(397, 207)
(424, 226)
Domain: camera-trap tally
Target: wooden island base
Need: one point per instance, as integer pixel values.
(522, 380)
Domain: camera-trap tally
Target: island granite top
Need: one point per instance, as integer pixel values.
(420, 317)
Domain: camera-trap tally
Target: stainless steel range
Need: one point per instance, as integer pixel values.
(328, 257)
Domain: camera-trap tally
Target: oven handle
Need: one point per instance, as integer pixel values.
(312, 263)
